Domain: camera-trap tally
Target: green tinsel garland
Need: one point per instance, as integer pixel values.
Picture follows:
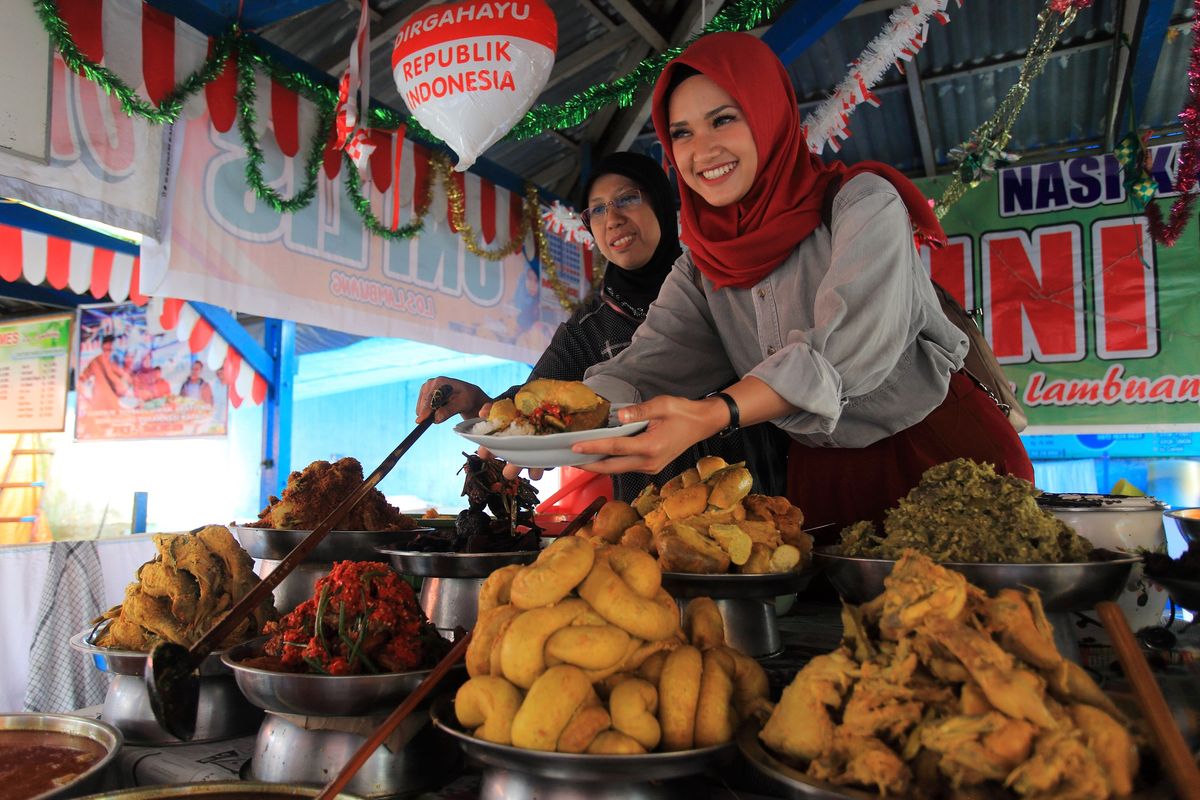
(133, 105)
(363, 206)
(247, 116)
(742, 16)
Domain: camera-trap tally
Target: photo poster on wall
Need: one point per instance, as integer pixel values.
(136, 381)
(34, 360)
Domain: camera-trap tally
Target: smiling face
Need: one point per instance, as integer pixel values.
(711, 141)
(627, 237)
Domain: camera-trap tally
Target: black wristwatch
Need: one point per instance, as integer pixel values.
(734, 414)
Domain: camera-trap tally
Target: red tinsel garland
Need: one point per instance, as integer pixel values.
(1167, 233)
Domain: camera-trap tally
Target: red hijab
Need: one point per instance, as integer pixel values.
(740, 244)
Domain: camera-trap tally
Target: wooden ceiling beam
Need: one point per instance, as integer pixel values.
(636, 16)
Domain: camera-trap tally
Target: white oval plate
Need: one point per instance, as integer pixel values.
(547, 450)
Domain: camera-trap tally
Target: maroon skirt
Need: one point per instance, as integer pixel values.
(844, 485)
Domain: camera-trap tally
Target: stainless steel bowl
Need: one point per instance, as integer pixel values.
(735, 586)
(222, 790)
(1188, 520)
(275, 544)
(583, 767)
(222, 713)
(454, 565)
(320, 695)
(102, 733)
(131, 662)
(1063, 587)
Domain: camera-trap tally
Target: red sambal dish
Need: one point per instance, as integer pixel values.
(362, 619)
(35, 762)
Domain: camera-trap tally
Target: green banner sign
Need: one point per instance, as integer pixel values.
(1097, 327)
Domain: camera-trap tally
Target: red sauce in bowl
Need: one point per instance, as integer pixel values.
(36, 762)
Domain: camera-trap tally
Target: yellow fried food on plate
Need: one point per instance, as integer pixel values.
(558, 569)
(612, 520)
(678, 697)
(715, 719)
(703, 624)
(634, 708)
(612, 599)
(588, 646)
(588, 722)
(487, 705)
(522, 650)
(488, 629)
(497, 587)
(549, 705)
(615, 743)
(553, 405)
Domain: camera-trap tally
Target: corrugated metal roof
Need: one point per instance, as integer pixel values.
(966, 68)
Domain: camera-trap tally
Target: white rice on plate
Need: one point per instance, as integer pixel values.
(516, 428)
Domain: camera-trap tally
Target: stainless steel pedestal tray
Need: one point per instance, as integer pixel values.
(315, 723)
(512, 773)
(1064, 588)
(271, 545)
(224, 712)
(451, 581)
(747, 604)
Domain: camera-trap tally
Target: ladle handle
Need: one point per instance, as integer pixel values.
(218, 633)
(1172, 749)
(389, 725)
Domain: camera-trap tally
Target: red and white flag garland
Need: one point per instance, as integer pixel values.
(352, 134)
(566, 224)
(901, 39)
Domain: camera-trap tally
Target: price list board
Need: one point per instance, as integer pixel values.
(34, 358)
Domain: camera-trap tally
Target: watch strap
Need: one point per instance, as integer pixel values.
(734, 414)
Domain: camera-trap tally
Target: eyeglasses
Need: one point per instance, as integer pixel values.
(626, 202)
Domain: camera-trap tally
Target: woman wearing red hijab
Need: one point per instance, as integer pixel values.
(832, 332)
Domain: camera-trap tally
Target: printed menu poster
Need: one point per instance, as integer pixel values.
(34, 355)
(137, 381)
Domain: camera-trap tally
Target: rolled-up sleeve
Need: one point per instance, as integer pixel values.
(676, 351)
(862, 318)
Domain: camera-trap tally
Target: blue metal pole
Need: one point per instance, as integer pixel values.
(280, 340)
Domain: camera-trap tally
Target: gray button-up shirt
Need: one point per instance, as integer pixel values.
(847, 329)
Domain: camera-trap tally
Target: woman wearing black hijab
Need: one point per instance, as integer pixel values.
(630, 211)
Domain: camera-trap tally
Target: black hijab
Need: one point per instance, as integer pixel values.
(634, 290)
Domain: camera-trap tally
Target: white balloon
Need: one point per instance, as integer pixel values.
(469, 71)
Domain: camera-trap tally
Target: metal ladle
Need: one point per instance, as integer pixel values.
(171, 679)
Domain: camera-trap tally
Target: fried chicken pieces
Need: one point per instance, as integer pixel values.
(184, 591)
(311, 494)
(939, 690)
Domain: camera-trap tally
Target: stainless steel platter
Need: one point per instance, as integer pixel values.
(783, 780)
(131, 662)
(786, 781)
(52, 725)
(454, 565)
(320, 695)
(225, 790)
(1063, 587)
(275, 544)
(735, 586)
(583, 767)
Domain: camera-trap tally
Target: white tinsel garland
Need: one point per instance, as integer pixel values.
(902, 38)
